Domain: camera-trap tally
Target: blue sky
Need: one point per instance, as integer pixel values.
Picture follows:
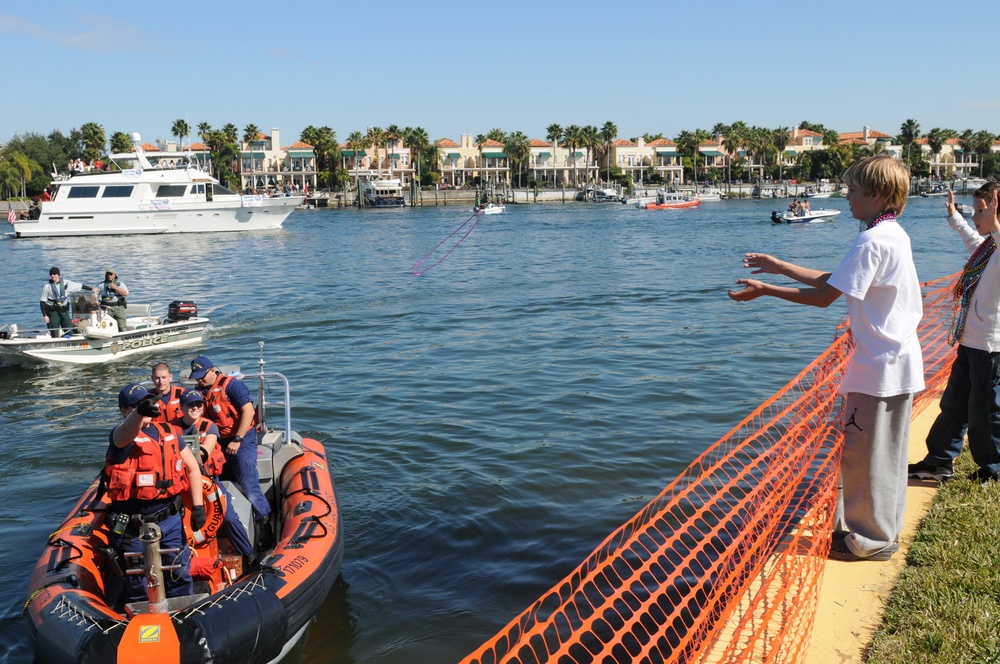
(466, 67)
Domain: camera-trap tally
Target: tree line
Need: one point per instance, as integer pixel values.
(26, 159)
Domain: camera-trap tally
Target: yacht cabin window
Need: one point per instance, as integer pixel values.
(118, 191)
(171, 190)
(82, 192)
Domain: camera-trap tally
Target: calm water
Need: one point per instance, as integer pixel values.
(489, 422)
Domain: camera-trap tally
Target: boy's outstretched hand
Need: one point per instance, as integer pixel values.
(949, 205)
(752, 289)
(761, 263)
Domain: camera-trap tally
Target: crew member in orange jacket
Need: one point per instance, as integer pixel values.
(228, 404)
(168, 394)
(192, 422)
(146, 469)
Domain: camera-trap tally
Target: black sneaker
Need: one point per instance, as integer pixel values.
(925, 470)
(983, 476)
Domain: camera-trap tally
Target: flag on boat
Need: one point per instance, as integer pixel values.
(11, 217)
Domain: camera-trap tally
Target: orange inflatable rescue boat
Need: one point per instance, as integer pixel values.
(242, 613)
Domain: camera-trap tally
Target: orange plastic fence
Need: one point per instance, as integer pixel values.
(725, 564)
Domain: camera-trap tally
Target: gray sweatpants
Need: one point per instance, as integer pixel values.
(873, 469)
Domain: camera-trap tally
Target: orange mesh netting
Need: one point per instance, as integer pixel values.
(725, 564)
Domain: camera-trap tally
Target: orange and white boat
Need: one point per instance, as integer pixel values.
(241, 613)
(671, 201)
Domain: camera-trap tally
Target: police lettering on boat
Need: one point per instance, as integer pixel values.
(95, 336)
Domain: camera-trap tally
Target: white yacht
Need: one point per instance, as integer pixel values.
(143, 198)
(382, 193)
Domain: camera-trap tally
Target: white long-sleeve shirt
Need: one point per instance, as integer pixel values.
(982, 324)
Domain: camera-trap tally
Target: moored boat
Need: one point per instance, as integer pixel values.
(383, 193)
(95, 337)
(811, 217)
(241, 613)
(140, 198)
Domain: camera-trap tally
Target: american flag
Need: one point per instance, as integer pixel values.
(11, 217)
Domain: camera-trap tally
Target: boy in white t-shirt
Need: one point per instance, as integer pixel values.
(884, 304)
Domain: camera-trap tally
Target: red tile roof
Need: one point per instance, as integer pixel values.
(298, 145)
(661, 141)
(446, 143)
(623, 142)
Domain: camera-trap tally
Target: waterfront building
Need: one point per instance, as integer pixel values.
(665, 159)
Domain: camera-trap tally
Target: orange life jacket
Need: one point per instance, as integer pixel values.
(152, 470)
(170, 411)
(216, 459)
(220, 409)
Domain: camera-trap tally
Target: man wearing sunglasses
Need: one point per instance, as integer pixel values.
(111, 296)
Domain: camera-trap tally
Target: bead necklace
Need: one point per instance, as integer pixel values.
(885, 216)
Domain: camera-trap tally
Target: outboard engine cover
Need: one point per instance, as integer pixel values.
(182, 310)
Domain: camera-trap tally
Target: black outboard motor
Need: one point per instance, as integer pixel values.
(774, 217)
(182, 310)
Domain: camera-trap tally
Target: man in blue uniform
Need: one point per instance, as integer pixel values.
(146, 469)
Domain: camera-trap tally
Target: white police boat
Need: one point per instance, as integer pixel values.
(95, 337)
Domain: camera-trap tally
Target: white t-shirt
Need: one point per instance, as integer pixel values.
(883, 300)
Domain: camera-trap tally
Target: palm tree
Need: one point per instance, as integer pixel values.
(376, 138)
(936, 138)
(779, 139)
(251, 135)
(181, 129)
(26, 169)
(393, 136)
(731, 139)
(554, 132)
(591, 141)
(120, 142)
(324, 144)
(518, 149)
(9, 179)
(572, 139)
(609, 132)
(224, 151)
(908, 133)
(203, 129)
(479, 140)
(93, 139)
(356, 142)
(982, 145)
(417, 140)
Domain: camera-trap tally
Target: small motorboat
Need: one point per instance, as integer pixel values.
(490, 208)
(241, 613)
(811, 217)
(96, 338)
(936, 190)
(670, 201)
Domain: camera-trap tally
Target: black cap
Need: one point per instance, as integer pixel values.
(54, 270)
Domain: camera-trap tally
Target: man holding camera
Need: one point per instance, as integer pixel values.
(147, 467)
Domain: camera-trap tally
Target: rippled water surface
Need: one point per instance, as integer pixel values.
(489, 422)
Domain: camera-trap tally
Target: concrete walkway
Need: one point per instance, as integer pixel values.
(853, 594)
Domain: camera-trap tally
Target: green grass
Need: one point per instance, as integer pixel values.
(945, 607)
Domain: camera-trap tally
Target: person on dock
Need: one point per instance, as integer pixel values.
(971, 400)
(228, 404)
(886, 368)
(147, 467)
(55, 302)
